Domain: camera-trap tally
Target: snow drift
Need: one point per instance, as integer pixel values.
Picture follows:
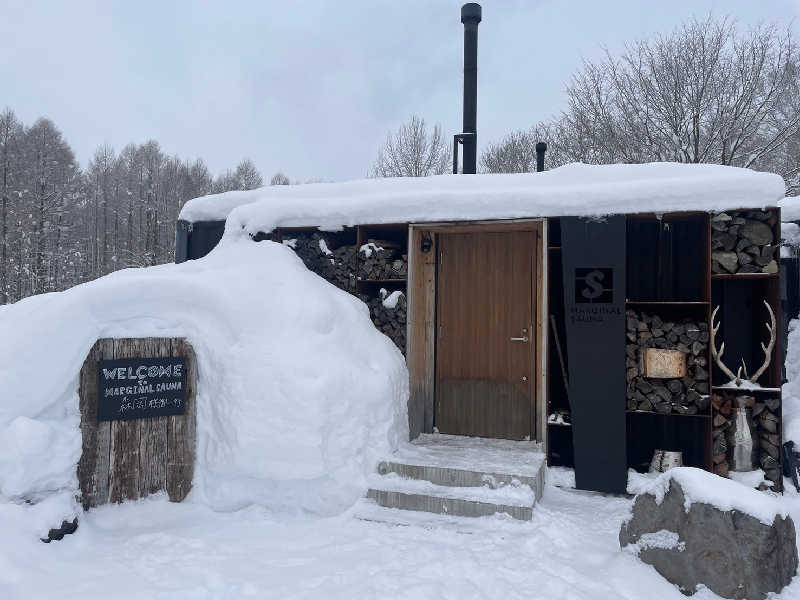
(298, 393)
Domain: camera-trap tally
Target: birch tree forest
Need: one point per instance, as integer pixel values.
(61, 225)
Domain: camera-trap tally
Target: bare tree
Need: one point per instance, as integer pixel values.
(706, 92)
(279, 179)
(413, 151)
(516, 153)
(248, 176)
(10, 132)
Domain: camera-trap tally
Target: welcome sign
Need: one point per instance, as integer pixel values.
(138, 388)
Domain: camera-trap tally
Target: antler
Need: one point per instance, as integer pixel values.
(768, 348)
(718, 355)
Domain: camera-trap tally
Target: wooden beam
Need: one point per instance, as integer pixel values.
(421, 338)
(182, 430)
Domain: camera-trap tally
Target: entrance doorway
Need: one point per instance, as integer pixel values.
(486, 334)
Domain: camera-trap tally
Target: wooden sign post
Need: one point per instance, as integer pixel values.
(138, 419)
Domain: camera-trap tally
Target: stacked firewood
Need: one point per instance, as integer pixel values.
(388, 313)
(687, 395)
(320, 254)
(382, 259)
(379, 260)
(765, 416)
(744, 242)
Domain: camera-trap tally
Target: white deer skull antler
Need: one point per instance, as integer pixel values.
(771, 327)
(718, 355)
(737, 377)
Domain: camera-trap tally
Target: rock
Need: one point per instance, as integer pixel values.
(772, 267)
(772, 403)
(732, 553)
(721, 217)
(721, 469)
(702, 403)
(750, 269)
(757, 232)
(728, 260)
(719, 420)
(744, 258)
(674, 386)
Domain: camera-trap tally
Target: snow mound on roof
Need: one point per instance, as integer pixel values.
(298, 393)
(702, 487)
(574, 189)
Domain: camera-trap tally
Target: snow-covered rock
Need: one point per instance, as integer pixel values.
(298, 394)
(696, 528)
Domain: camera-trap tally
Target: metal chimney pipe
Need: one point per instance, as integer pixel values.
(470, 17)
(541, 148)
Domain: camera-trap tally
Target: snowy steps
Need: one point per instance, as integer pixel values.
(431, 476)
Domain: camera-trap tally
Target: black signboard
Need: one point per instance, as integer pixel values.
(135, 388)
(593, 259)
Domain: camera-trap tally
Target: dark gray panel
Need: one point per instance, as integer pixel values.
(593, 253)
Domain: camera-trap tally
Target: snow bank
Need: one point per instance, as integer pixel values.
(702, 487)
(298, 393)
(574, 189)
(791, 389)
(790, 209)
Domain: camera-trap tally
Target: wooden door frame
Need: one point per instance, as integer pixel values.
(422, 326)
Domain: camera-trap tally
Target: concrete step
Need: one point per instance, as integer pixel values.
(393, 491)
(367, 509)
(454, 477)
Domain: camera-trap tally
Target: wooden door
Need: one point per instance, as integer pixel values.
(485, 347)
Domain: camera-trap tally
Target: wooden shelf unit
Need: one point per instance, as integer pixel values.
(669, 274)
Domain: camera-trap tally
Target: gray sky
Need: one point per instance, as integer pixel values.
(307, 87)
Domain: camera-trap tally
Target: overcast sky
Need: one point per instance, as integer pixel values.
(307, 87)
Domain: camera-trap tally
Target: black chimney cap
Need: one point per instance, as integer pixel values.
(541, 146)
(471, 13)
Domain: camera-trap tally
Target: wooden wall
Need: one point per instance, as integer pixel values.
(126, 460)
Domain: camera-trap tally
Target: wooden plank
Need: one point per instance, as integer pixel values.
(124, 470)
(421, 334)
(153, 431)
(182, 431)
(484, 226)
(539, 278)
(93, 466)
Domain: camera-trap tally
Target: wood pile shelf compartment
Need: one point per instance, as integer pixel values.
(668, 286)
(742, 316)
(336, 257)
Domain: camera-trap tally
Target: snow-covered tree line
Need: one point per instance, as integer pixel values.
(708, 92)
(61, 225)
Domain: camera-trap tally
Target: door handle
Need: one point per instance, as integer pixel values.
(523, 339)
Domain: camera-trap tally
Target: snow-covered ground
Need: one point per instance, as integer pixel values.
(153, 549)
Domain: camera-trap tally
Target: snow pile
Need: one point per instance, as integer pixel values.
(790, 209)
(662, 539)
(298, 393)
(574, 189)
(702, 487)
(791, 389)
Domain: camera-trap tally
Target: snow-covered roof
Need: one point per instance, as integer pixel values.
(574, 189)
